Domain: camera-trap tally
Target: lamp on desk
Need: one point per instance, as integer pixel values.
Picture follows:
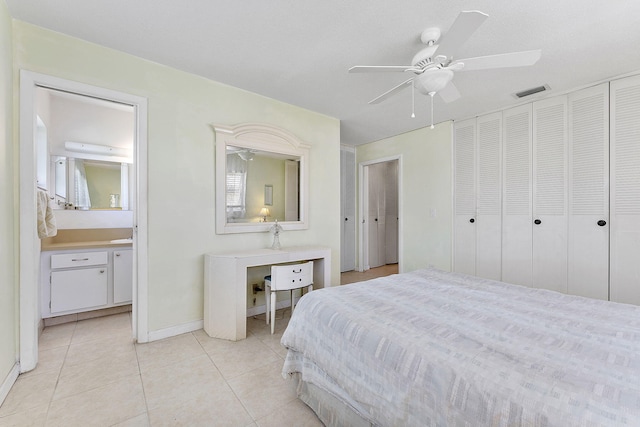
(264, 213)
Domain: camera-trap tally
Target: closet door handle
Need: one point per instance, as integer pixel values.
(537, 222)
(346, 219)
(602, 223)
(376, 219)
(472, 220)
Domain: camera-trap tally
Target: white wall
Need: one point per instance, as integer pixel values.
(8, 212)
(71, 119)
(425, 190)
(181, 202)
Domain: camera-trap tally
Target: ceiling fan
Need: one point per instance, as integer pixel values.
(433, 73)
(244, 153)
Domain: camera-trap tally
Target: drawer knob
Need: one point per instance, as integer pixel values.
(117, 253)
(101, 271)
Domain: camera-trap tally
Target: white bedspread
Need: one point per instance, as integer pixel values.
(431, 348)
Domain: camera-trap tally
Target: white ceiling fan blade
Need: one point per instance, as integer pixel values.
(465, 24)
(391, 91)
(378, 68)
(449, 93)
(503, 60)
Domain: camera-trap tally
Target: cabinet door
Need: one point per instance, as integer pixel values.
(588, 232)
(550, 194)
(625, 190)
(122, 275)
(489, 197)
(78, 289)
(516, 197)
(465, 197)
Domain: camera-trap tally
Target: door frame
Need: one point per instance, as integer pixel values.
(29, 244)
(363, 205)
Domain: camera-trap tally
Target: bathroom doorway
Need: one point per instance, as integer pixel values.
(136, 184)
(380, 215)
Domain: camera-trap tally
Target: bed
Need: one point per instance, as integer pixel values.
(431, 348)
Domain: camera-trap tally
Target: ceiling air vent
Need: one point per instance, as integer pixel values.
(531, 91)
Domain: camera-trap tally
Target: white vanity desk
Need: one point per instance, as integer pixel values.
(225, 284)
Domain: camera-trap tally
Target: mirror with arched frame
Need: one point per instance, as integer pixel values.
(261, 176)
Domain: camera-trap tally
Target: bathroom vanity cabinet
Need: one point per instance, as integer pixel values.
(78, 280)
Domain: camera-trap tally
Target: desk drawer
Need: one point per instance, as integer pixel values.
(82, 259)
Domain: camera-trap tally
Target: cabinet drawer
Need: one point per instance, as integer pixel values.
(82, 259)
(78, 289)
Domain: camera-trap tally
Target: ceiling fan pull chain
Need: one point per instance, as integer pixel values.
(413, 101)
(431, 95)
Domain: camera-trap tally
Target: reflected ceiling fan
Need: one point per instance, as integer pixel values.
(433, 73)
(244, 153)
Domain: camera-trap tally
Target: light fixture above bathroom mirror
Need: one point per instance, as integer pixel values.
(250, 158)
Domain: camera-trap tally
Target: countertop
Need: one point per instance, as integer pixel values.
(88, 239)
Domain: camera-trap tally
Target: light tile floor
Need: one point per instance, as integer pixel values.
(91, 373)
(372, 273)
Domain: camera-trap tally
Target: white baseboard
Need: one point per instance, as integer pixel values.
(199, 324)
(175, 330)
(8, 382)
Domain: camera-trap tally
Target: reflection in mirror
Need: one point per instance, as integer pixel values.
(256, 179)
(261, 176)
(83, 184)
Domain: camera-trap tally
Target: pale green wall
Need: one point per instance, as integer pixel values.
(181, 168)
(425, 185)
(8, 261)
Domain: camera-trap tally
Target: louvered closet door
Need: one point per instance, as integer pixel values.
(625, 190)
(588, 233)
(516, 196)
(465, 197)
(550, 194)
(489, 197)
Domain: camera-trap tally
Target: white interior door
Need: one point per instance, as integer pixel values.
(348, 211)
(588, 232)
(516, 197)
(391, 212)
(376, 205)
(489, 197)
(465, 197)
(550, 194)
(625, 190)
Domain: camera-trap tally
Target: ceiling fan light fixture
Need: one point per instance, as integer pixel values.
(433, 80)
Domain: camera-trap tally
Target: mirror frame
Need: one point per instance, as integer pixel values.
(261, 137)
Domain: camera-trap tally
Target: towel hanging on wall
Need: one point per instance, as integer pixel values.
(46, 220)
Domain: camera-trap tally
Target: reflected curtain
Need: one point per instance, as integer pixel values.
(236, 187)
(81, 188)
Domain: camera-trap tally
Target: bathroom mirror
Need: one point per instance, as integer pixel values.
(85, 184)
(257, 164)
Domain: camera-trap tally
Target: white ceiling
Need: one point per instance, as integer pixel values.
(299, 51)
